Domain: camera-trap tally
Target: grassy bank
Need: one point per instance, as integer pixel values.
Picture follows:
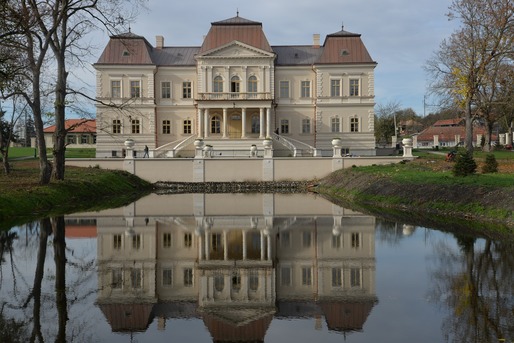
(22, 199)
(425, 191)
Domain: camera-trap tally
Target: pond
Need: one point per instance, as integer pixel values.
(250, 268)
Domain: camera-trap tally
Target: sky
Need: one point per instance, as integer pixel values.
(400, 35)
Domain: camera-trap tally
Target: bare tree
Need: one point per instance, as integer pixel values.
(461, 64)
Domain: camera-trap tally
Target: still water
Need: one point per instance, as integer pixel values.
(250, 268)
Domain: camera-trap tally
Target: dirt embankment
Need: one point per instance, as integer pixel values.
(423, 204)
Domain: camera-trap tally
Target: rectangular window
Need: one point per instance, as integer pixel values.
(188, 277)
(136, 278)
(285, 276)
(166, 90)
(71, 139)
(166, 127)
(306, 239)
(84, 139)
(305, 89)
(117, 278)
(306, 276)
(337, 280)
(335, 124)
(166, 240)
(285, 240)
(116, 242)
(135, 89)
(284, 89)
(167, 278)
(135, 126)
(336, 242)
(284, 126)
(186, 90)
(335, 88)
(136, 242)
(306, 126)
(354, 124)
(187, 126)
(216, 242)
(356, 240)
(354, 87)
(116, 126)
(355, 277)
(116, 89)
(188, 240)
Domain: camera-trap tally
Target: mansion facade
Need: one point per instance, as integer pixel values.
(234, 91)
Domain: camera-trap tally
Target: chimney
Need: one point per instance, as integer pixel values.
(159, 42)
(315, 40)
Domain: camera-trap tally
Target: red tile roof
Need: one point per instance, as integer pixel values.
(449, 122)
(76, 126)
(128, 317)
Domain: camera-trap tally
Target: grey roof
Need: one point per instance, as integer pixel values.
(175, 56)
(297, 55)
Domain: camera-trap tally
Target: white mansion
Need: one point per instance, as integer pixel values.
(234, 91)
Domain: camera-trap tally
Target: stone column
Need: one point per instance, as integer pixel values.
(225, 245)
(243, 123)
(206, 123)
(244, 245)
(436, 140)
(200, 123)
(268, 122)
(224, 123)
(261, 125)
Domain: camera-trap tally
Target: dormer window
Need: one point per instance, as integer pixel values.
(125, 53)
(345, 52)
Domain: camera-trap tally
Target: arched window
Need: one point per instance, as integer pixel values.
(215, 124)
(252, 84)
(217, 86)
(256, 124)
(235, 83)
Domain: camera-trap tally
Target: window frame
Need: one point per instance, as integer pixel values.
(217, 84)
(305, 89)
(116, 126)
(354, 90)
(118, 88)
(354, 124)
(252, 84)
(165, 89)
(334, 87)
(284, 126)
(187, 126)
(187, 89)
(284, 89)
(335, 124)
(306, 125)
(135, 89)
(135, 126)
(166, 127)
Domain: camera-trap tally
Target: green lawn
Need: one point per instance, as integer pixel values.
(15, 153)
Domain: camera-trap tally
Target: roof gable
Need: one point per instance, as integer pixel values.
(237, 49)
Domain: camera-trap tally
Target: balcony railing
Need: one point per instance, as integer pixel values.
(234, 96)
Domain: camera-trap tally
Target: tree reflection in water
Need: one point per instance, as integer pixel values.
(476, 285)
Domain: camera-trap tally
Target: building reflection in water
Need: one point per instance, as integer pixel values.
(236, 262)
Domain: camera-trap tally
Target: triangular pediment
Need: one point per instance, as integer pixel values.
(236, 49)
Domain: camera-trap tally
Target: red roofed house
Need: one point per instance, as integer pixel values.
(81, 133)
(234, 90)
(448, 133)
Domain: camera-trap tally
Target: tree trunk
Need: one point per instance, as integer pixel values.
(60, 277)
(5, 162)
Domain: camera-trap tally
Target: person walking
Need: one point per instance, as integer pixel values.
(146, 152)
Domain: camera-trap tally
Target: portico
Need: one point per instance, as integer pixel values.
(228, 121)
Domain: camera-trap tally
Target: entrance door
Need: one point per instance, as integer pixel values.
(234, 125)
